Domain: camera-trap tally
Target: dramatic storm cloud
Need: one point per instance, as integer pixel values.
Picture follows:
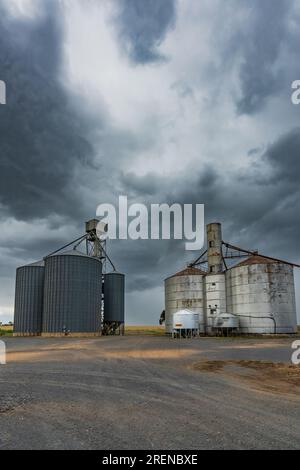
(143, 26)
(163, 101)
(43, 140)
(261, 37)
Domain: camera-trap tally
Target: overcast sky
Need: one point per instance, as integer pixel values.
(183, 101)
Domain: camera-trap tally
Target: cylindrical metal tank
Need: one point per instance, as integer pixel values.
(215, 298)
(114, 298)
(261, 292)
(72, 294)
(227, 321)
(184, 290)
(185, 320)
(29, 299)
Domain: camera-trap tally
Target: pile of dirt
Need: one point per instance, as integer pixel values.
(276, 377)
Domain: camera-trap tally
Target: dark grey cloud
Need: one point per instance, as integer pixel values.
(259, 41)
(141, 185)
(143, 25)
(42, 137)
(264, 199)
(258, 208)
(283, 156)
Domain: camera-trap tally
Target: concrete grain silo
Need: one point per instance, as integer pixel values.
(215, 282)
(72, 294)
(184, 290)
(261, 292)
(215, 298)
(256, 296)
(29, 299)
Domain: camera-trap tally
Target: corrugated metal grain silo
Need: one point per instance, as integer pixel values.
(259, 289)
(114, 300)
(29, 299)
(72, 294)
(184, 290)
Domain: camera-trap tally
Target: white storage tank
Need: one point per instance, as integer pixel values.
(226, 321)
(261, 292)
(184, 290)
(215, 298)
(185, 320)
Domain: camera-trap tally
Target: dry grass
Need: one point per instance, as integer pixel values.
(129, 330)
(145, 330)
(6, 330)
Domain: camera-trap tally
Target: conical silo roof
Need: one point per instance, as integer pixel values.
(256, 259)
(189, 271)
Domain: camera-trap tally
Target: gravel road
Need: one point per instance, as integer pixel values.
(142, 392)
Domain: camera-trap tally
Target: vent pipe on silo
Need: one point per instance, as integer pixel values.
(214, 248)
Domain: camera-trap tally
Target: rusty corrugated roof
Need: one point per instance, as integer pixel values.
(190, 271)
(256, 259)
